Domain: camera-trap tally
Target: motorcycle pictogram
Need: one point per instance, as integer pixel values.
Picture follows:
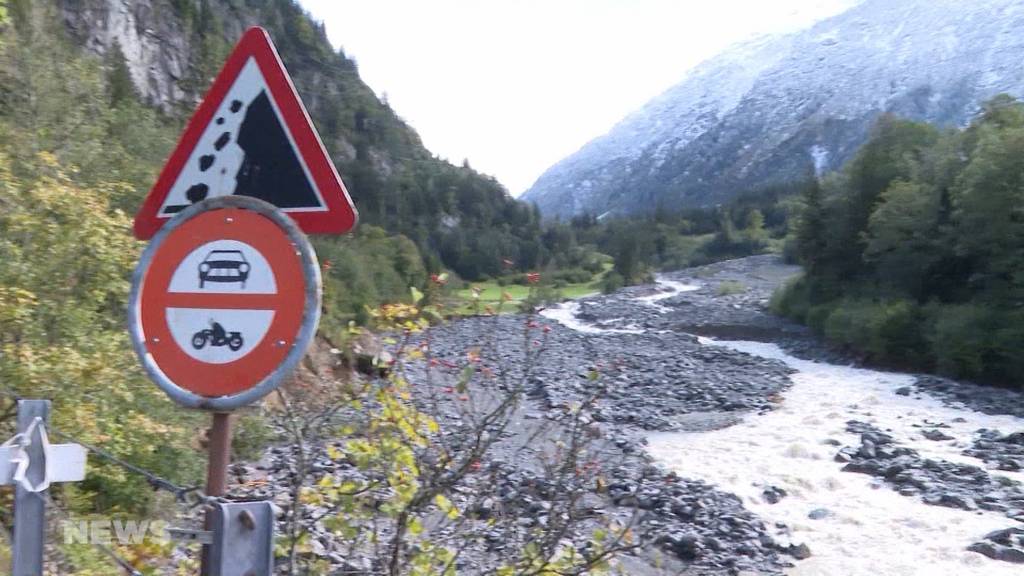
(216, 336)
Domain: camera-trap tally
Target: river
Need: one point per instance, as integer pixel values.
(862, 526)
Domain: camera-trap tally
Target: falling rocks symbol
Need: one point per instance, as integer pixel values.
(269, 170)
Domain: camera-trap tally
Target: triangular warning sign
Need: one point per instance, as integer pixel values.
(251, 136)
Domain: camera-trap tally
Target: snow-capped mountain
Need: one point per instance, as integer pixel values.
(775, 108)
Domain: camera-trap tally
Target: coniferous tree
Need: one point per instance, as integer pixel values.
(120, 87)
(812, 234)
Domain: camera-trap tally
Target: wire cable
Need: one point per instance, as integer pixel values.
(181, 493)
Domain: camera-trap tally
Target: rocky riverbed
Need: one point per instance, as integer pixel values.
(734, 441)
(949, 506)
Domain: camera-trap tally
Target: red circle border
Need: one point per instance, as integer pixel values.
(273, 243)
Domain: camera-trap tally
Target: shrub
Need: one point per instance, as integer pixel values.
(897, 333)
(887, 331)
(595, 263)
(791, 299)
(815, 316)
(1009, 365)
(612, 282)
(790, 250)
(252, 433)
(556, 277)
(730, 287)
(573, 276)
(540, 295)
(844, 325)
(961, 340)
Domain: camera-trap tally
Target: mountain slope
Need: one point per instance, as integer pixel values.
(171, 49)
(773, 109)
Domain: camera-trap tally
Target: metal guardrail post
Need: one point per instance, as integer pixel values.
(30, 507)
(239, 540)
(31, 463)
(243, 539)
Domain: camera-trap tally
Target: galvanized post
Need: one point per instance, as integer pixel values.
(30, 507)
(243, 539)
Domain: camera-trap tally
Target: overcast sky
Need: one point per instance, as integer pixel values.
(516, 85)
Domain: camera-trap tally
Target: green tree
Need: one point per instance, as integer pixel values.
(812, 231)
(902, 234)
(754, 229)
(914, 253)
(67, 259)
(989, 212)
(894, 151)
(120, 87)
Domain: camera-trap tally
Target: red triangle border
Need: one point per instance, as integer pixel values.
(339, 217)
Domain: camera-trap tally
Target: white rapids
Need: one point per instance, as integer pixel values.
(565, 313)
(870, 529)
(673, 288)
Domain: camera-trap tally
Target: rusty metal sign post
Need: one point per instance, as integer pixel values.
(225, 302)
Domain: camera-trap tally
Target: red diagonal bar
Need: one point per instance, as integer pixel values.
(223, 301)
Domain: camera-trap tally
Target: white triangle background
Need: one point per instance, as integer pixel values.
(220, 177)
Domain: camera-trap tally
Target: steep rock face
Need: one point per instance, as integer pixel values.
(776, 108)
(149, 34)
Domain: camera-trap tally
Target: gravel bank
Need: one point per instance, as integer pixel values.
(641, 348)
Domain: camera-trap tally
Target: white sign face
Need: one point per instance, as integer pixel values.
(218, 336)
(221, 335)
(224, 267)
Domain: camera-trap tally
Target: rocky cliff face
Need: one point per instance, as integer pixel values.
(149, 33)
(774, 109)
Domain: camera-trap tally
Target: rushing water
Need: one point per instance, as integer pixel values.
(672, 288)
(869, 529)
(565, 314)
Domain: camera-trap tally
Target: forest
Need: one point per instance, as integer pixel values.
(914, 252)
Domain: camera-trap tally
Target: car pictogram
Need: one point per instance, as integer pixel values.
(224, 266)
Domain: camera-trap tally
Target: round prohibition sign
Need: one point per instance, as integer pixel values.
(224, 302)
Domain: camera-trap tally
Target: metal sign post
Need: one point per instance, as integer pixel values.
(30, 507)
(220, 454)
(216, 476)
(31, 463)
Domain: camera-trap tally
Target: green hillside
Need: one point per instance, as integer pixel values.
(914, 252)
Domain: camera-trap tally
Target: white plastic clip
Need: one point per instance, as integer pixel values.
(20, 457)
